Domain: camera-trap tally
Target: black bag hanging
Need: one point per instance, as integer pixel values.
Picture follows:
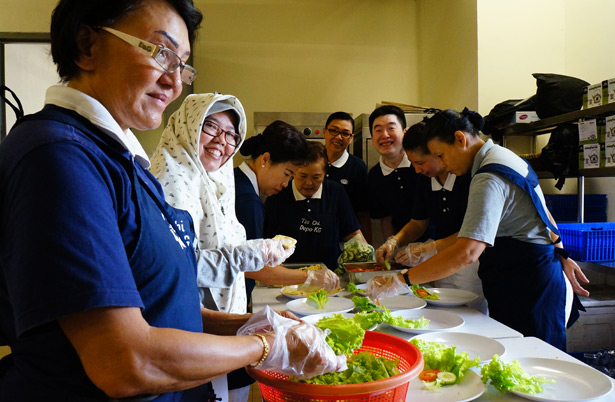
(501, 115)
(17, 107)
(558, 94)
(561, 154)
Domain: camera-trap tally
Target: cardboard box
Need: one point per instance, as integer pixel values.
(589, 156)
(609, 128)
(608, 91)
(524, 117)
(609, 154)
(592, 96)
(592, 131)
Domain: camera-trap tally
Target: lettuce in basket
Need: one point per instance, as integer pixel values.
(511, 377)
(344, 335)
(362, 367)
(444, 358)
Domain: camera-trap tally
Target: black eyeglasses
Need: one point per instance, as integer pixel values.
(212, 129)
(334, 132)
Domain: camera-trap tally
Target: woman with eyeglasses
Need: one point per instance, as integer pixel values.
(508, 228)
(193, 163)
(98, 292)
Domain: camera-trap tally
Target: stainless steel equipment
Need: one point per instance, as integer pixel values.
(362, 140)
(310, 124)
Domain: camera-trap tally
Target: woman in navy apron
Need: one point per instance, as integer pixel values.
(98, 289)
(508, 228)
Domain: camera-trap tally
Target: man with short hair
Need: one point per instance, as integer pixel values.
(391, 182)
(345, 168)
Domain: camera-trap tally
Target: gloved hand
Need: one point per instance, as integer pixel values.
(274, 252)
(385, 286)
(299, 349)
(386, 251)
(321, 278)
(416, 253)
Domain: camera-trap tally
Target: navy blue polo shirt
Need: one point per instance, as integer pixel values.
(444, 208)
(353, 176)
(392, 195)
(319, 225)
(249, 208)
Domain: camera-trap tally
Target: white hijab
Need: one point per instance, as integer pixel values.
(209, 197)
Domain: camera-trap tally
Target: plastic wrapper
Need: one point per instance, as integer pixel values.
(299, 349)
(321, 278)
(385, 286)
(415, 253)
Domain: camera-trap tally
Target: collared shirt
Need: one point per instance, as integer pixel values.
(341, 160)
(97, 114)
(300, 197)
(448, 184)
(251, 176)
(405, 162)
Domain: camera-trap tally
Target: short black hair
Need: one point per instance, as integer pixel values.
(70, 15)
(316, 151)
(383, 111)
(445, 123)
(415, 138)
(340, 116)
(282, 141)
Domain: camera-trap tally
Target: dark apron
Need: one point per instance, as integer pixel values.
(156, 246)
(523, 282)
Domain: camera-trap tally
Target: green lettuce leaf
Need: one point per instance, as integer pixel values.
(511, 377)
(344, 335)
(318, 299)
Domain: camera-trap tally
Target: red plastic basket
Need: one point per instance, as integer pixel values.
(275, 387)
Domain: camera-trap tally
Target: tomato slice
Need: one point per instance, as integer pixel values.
(422, 292)
(429, 375)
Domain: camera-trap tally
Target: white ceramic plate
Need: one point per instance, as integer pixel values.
(451, 297)
(438, 320)
(402, 303)
(293, 296)
(314, 318)
(474, 345)
(470, 388)
(573, 381)
(334, 305)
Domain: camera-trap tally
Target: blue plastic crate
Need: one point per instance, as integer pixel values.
(589, 241)
(564, 207)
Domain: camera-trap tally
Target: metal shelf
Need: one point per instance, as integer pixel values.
(548, 124)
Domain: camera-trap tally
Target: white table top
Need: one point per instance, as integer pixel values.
(475, 322)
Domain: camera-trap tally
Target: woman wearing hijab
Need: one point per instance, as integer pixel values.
(193, 162)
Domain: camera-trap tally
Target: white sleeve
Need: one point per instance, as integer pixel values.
(217, 268)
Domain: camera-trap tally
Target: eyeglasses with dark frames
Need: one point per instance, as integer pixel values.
(212, 129)
(166, 58)
(334, 132)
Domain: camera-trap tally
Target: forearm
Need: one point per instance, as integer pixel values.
(446, 242)
(451, 260)
(278, 275)
(221, 323)
(218, 268)
(124, 356)
(411, 231)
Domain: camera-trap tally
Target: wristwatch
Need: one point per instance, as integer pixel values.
(406, 279)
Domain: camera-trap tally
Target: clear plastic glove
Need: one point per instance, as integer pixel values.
(299, 349)
(385, 286)
(416, 253)
(386, 252)
(321, 278)
(274, 252)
